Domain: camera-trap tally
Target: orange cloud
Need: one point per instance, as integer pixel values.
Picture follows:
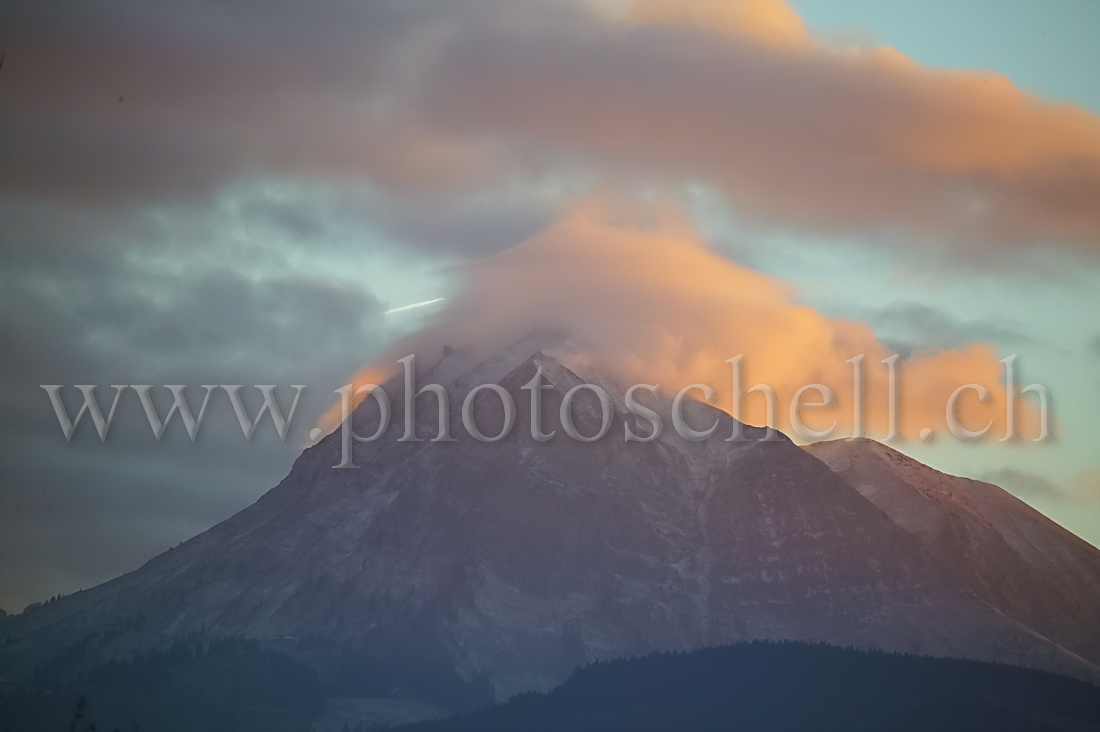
(792, 130)
(374, 375)
(773, 21)
(649, 300)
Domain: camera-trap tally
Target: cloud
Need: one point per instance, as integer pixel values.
(158, 297)
(1024, 485)
(793, 132)
(1085, 486)
(647, 298)
(909, 326)
(770, 21)
(466, 227)
(128, 101)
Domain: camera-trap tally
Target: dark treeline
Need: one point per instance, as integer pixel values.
(228, 685)
(238, 685)
(793, 686)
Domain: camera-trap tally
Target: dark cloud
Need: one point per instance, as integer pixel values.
(789, 131)
(117, 101)
(72, 518)
(1025, 485)
(476, 228)
(107, 101)
(464, 226)
(911, 326)
(147, 299)
(1084, 487)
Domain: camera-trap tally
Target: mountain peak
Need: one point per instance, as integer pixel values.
(464, 567)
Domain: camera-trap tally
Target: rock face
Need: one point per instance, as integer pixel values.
(506, 564)
(997, 546)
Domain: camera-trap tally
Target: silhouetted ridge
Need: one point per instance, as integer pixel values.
(793, 686)
(225, 685)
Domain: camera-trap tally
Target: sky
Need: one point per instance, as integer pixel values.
(238, 192)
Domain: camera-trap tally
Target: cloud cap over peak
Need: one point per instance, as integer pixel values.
(653, 304)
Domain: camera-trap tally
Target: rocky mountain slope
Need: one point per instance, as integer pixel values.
(997, 546)
(463, 571)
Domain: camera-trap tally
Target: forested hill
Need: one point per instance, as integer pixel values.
(793, 686)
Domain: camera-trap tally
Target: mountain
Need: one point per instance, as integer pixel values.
(997, 546)
(790, 687)
(463, 572)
